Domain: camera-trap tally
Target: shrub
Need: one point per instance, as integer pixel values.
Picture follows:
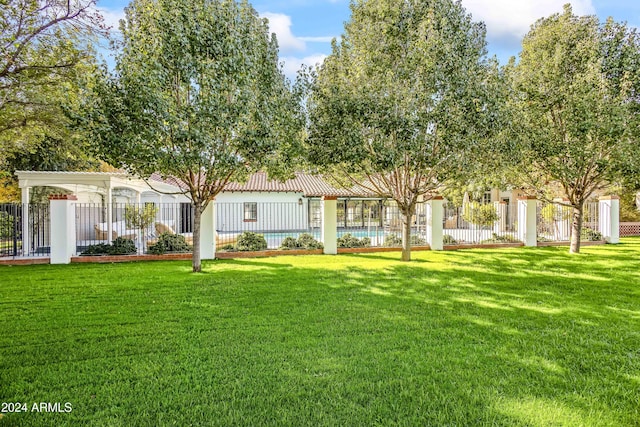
(307, 241)
(500, 239)
(99, 249)
(169, 242)
(304, 241)
(229, 247)
(448, 239)
(249, 241)
(417, 240)
(392, 240)
(140, 216)
(120, 246)
(289, 243)
(590, 234)
(349, 241)
(7, 225)
(479, 214)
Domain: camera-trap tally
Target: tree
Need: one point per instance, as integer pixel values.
(45, 50)
(575, 103)
(402, 100)
(197, 96)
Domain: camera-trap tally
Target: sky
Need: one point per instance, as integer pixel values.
(305, 28)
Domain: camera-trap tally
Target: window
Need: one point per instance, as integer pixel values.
(251, 211)
(486, 197)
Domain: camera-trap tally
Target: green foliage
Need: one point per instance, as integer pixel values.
(7, 223)
(574, 103)
(402, 100)
(289, 243)
(197, 92)
(119, 246)
(304, 241)
(629, 211)
(169, 242)
(501, 239)
(591, 235)
(480, 214)
(349, 241)
(249, 241)
(448, 239)
(45, 62)
(393, 240)
(140, 216)
(229, 247)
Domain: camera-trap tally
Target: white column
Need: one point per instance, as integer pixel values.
(435, 214)
(208, 232)
(26, 238)
(609, 218)
(63, 228)
(329, 233)
(109, 203)
(527, 221)
(501, 224)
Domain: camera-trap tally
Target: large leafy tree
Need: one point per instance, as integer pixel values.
(45, 53)
(198, 96)
(576, 92)
(402, 100)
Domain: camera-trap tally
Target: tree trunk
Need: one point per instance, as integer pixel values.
(406, 233)
(197, 216)
(576, 228)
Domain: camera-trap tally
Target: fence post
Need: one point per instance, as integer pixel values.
(501, 224)
(330, 225)
(527, 220)
(609, 218)
(63, 228)
(435, 214)
(208, 232)
(26, 238)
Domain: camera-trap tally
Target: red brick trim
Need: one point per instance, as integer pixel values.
(329, 197)
(437, 198)
(26, 261)
(250, 220)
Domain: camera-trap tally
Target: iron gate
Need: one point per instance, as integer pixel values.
(14, 241)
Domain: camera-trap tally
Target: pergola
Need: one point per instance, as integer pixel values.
(86, 182)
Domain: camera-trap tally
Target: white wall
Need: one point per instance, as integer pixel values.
(276, 211)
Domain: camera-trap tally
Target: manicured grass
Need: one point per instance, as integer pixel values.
(524, 336)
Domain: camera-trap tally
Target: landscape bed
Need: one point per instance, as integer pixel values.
(510, 336)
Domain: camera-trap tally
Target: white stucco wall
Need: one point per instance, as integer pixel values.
(275, 211)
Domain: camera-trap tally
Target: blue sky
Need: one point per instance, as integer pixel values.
(305, 27)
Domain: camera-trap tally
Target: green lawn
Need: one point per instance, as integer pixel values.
(524, 336)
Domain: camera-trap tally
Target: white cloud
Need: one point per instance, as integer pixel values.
(509, 20)
(111, 17)
(281, 25)
(293, 64)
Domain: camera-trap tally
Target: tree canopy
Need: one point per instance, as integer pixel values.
(45, 51)
(575, 107)
(403, 100)
(197, 95)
